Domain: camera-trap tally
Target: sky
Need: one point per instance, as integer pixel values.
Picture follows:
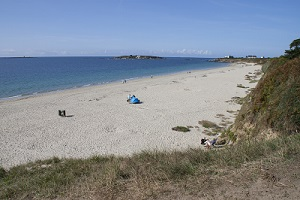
(185, 28)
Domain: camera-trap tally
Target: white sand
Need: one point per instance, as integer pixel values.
(102, 122)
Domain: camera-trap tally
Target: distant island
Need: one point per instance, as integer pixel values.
(139, 57)
(237, 60)
(19, 57)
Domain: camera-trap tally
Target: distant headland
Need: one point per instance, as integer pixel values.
(19, 57)
(139, 57)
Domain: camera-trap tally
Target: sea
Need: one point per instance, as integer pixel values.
(27, 76)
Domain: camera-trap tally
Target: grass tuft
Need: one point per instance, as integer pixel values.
(208, 124)
(241, 86)
(181, 129)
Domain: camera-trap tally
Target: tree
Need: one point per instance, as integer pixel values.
(294, 50)
(295, 44)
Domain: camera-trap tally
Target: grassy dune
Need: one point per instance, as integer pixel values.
(145, 175)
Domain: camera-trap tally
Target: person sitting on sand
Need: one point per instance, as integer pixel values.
(129, 97)
(208, 144)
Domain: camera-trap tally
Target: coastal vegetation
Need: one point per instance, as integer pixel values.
(155, 174)
(265, 155)
(259, 61)
(274, 106)
(294, 50)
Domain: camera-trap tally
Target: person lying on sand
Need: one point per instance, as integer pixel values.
(208, 144)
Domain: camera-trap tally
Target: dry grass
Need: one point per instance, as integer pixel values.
(208, 124)
(241, 86)
(237, 100)
(225, 123)
(147, 175)
(212, 128)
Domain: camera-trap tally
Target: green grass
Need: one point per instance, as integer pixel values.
(142, 174)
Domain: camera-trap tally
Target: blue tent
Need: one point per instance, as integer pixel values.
(134, 100)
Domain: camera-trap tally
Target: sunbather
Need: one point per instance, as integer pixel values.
(208, 144)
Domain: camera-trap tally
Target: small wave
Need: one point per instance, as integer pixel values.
(14, 97)
(11, 97)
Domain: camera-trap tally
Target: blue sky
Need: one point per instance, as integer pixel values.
(196, 28)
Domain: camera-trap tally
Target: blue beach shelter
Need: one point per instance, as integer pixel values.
(134, 100)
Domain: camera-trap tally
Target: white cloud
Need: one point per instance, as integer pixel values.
(8, 50)
(185, 52)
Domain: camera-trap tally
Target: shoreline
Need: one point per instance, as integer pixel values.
(22, 96)
(30, 84)
(101, 122)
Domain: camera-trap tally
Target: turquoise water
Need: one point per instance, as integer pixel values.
(27, 76)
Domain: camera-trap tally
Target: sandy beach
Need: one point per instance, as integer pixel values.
(101, 122)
